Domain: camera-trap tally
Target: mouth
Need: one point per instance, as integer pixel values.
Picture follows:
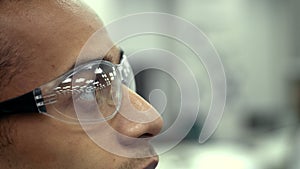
(152, 164)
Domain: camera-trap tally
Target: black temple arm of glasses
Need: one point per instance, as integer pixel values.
(31, 102)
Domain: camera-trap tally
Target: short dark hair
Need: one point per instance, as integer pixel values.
(6, 131)
(10, 52)
(10, 59)
(10, 63)
(7, 61)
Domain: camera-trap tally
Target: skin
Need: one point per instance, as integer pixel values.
(51, 34)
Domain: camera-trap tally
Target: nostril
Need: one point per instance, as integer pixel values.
(133, 141)
(146, 135)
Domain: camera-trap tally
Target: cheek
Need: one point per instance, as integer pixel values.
(45, 143)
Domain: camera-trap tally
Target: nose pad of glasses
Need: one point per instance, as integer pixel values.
(127, 76)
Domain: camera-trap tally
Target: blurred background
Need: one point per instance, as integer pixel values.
(259, 44)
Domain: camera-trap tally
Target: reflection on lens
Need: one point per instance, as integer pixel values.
(89, 93)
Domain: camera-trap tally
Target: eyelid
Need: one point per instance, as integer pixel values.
(110, 59)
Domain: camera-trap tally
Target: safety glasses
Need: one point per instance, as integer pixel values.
(91, 92)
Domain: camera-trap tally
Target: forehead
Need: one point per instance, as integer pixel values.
(50, 36)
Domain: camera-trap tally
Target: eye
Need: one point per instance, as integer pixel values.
(88, 94)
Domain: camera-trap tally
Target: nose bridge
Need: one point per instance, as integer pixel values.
(137, 117)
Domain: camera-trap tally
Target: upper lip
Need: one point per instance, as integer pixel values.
(152, 163)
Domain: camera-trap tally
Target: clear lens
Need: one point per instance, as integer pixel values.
(99, 100)
(90, 93)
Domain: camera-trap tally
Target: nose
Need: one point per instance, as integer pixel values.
(136, 117)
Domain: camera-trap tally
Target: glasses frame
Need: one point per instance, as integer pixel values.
(35, 102)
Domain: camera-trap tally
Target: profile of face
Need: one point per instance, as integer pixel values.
(45, 39)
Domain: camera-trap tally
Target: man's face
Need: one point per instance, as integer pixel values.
(52, 35)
